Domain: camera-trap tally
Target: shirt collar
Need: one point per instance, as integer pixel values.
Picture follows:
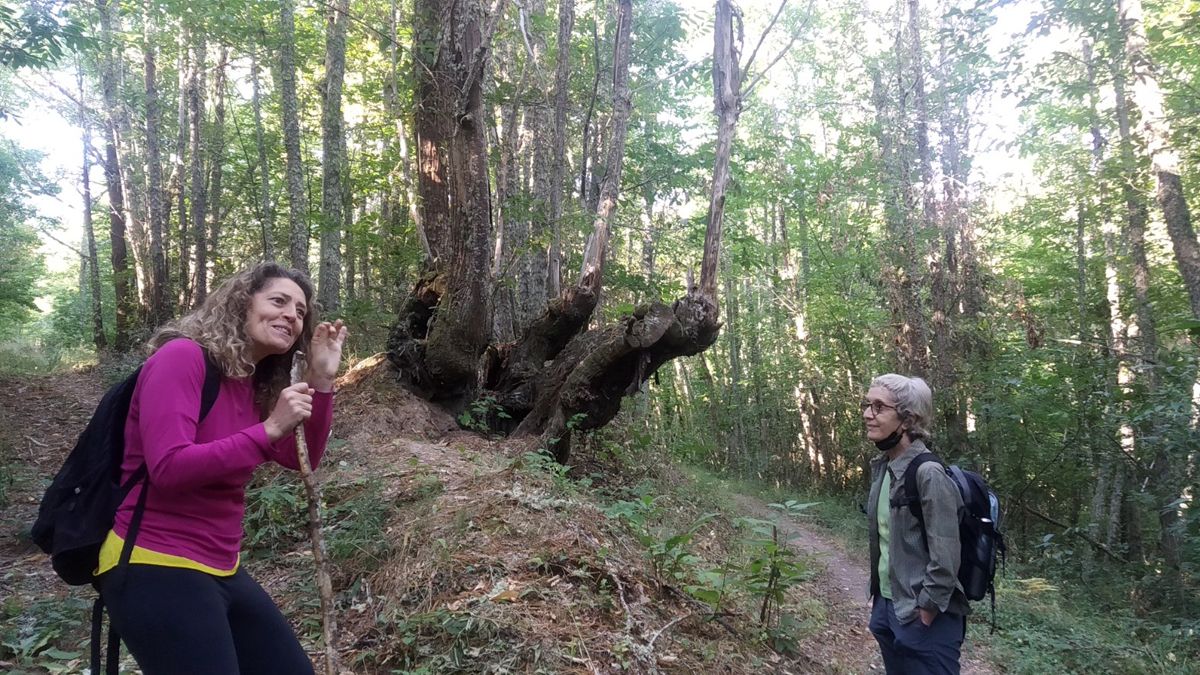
(897, 466)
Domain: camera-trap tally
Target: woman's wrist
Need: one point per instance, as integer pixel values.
(322, 384)
(274, 433)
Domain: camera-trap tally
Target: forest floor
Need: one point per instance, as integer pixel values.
(841, 583)
(453, 556)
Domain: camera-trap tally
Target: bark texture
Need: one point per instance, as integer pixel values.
(455, 201)
(1165, 165)
(158, 308)
(333, 158)
(266, 212)
(597, 248)
(1164, 157)
(727, 83)
(91, 262)
(562, 65)
(122, 275)
(290, 111)
(199, 190)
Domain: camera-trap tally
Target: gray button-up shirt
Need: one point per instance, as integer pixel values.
(923, 570)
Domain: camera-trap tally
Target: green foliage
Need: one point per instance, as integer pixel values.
(7, 475)
(542, 462)
(481, 414)
(37, 34)
(1044, 629)
(21, 264)
(30, 632)
(355, 522)
(275, 514)
(442, 641)
(773, 568)
(355, 515)
(668, 552)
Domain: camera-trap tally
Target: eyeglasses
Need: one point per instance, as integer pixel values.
(875, 406)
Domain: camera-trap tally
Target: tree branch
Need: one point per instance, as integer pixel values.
(1120, 353)
(46, 233)
(762, 38)
(795, 34)
(1067, 529)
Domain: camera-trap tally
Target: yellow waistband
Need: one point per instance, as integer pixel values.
(110, 555)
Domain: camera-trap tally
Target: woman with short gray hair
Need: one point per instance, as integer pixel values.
(914, 402)
(918, 610)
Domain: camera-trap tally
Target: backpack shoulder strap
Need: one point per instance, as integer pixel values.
(212, 385)
(208, 396)
(912, 497)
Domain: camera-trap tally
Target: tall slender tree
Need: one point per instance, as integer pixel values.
(122, 274)
(289, 110)
(199, 186)
(1164, 157)
(266, 210)
(159, 310)
(333, 157)
(91, 262)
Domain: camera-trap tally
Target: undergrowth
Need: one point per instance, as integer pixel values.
(1043, 626)
(696, 540)
(46, 635)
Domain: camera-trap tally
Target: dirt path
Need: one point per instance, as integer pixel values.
(844, 642)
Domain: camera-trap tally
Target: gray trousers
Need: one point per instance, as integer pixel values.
(916, 649)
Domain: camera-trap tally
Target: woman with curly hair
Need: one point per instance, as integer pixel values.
(183, 604)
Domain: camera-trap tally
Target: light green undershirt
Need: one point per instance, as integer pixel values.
(883, 513)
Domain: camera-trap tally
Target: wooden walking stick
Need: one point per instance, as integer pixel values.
(313, 491)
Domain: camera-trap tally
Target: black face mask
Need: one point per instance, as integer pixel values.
(890, 442)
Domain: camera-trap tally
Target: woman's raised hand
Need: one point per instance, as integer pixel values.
(325, 354)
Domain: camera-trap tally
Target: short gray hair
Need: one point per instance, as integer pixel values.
(914, 402)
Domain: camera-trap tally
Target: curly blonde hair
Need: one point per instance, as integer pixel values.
(219, 326)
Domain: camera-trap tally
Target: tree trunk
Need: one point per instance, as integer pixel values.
(177, 171)
(727, 94)
(649, 233)
(216, 163)
(92, 263)
(452, 135)
(511, 236)
(538, 121)
(562, 64)
(333, 157)
(592, 371)
(585, 146)
(597, 248)
(112, 176)
(266, 212)
(1136, 217)
(401, 179)
(938, 363)
(127, 162)
(1164, 158)
(950, 292)
(588, 373)
(199, 185)
(903, 271)
(290, 112)
(159, 311)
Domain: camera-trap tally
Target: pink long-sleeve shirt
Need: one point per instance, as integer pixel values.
(199, 472)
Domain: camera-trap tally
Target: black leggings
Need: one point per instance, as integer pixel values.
(182, 622)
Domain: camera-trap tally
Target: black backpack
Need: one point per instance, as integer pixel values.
(77, 511)
(979, 530)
